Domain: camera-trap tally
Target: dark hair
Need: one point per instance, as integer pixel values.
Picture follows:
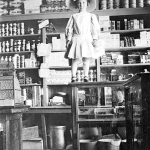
(76, 2)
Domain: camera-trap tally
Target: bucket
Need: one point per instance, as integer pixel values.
(108, 144)
(87, 144)
(57, 137)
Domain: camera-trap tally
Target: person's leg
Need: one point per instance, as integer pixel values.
(86, 64)
(74, 68)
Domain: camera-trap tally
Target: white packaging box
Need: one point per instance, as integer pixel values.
(63, 41)
(33, 144)
(32, 6)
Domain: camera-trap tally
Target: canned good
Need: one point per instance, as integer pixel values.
(147, 3)
(125, 3)
(103, 4)
(132, 4)
(140, 3)
(22, 61)
(109, 4)
(116, 4)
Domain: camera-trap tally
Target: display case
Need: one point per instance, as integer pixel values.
(98, 115)
(137, 105)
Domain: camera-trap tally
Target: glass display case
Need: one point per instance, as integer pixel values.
(137, 103)
(98, 110)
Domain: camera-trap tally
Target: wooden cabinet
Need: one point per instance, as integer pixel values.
(11, 128)
(88, 112)
(137, 111)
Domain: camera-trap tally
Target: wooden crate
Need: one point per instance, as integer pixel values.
(10, 91)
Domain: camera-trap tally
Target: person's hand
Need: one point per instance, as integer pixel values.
(94, 43)
(68, 43)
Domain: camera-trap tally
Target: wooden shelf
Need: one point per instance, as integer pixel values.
(102, 120)
(50, 109)
(12, 53)
(60, 15)
(27, 68)
(125, 31)
(124, 49)
(125, 65)
(97, 84)
(26, 85)
(24, 35)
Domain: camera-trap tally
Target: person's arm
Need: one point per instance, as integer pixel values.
(69, 31)
(95, 29)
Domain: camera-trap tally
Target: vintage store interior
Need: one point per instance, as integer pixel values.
(40, 109)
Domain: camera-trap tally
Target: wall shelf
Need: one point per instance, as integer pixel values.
(60, 15)
(124, 49)
(125, 65)
(50, 109)
(24, 35)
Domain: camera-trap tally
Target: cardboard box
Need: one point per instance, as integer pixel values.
(33, 144)
(30, 132)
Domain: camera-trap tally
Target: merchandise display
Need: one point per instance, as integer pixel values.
(126, 32)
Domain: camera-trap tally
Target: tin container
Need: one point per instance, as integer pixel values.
(140, 3)
(116, 4)
(103, 4)
(147, 3)
(57, 137)
(109, 4)
(132, 4)
(125, 3)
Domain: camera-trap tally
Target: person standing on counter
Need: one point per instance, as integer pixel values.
(82, 32)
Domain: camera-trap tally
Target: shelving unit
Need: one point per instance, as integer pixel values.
(65, 15)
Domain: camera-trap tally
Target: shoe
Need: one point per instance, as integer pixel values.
(86, 79)
(73, 79)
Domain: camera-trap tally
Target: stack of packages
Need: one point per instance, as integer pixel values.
(31, 139)
(10, 91)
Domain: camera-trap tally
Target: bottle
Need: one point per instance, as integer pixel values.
(28, 48)
(78, 76)
(33, 60)
(91, 76)
(6, 58)
(22, 61)
(7, 46)
(10, 29)
(22, 30)
(33, 45)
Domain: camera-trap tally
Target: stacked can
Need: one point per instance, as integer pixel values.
(103, 4)
(147, 3)
(116, 4)
(125, 3)
(132, 3)
(109, 4)
(140, 3)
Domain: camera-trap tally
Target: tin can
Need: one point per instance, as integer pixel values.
(10, 29)
(109, 4)
(132, 4)
(14, 29)
(140, 3)
(3, 29)
(57, 137)
(125, 3)
(22, 61)
(6, 29)
(103, 4)
(116, 4)
(147, 3)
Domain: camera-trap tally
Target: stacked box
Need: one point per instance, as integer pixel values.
(10, 90)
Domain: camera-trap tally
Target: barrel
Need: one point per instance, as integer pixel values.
(56, 137)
